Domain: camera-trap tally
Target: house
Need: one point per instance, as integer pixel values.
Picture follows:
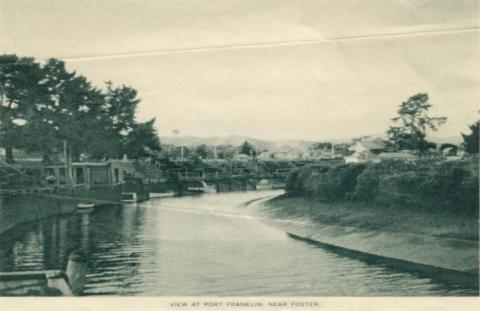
(404, 155)
(375, 146)
(22, 157)
(90, 174)
(288, 154)
(366, 150)
(241, 157)
(452, 152)
(362, 157)
(266, 155)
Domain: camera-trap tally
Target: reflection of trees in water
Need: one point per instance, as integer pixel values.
(115, 243)
(22, 248)
(113, 238)
(84, 232)
(59, 241)
(6, 258)
(51, 231)
(45, 244)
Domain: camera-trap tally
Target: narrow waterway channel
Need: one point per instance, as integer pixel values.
(209, 245)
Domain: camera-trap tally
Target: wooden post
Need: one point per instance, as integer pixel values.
(76, 272)
(65, 157)
(68, 167)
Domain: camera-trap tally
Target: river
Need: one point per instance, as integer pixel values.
(209, 245)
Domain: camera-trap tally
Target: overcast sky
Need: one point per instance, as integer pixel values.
(269, 69)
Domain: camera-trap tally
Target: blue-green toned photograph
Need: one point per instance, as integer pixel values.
(239, 148)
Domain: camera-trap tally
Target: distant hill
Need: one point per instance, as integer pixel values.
(260, 144)
(235, 140)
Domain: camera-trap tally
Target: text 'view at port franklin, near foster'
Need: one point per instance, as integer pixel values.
(239, 149)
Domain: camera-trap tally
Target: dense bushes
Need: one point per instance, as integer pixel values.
(426, 184)
(331, 183)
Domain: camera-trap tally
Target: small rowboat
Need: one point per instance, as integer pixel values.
(161, 194)
(132, 197)
(201, 187)
(264, 185)
(85, 205)
(129, 197)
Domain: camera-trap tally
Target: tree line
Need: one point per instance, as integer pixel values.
(45, 107)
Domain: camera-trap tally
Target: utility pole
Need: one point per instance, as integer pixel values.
(68, 171)
(65, 156)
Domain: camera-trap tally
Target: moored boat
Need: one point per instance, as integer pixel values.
(200, 187)
(86, 205)
(161, 194)
(264, 185)
(132, 197)
(128, 197)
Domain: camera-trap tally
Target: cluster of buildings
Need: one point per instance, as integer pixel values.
(376, 150)
(363, 150)
(290, 154)
(90, 174)
(82, 175)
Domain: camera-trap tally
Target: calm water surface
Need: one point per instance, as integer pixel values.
(209, 245)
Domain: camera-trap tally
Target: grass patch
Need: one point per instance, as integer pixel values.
(404, 219)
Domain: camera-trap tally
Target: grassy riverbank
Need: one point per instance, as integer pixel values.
(439, 243)
(421, 216)
(440, 223)
(438, 198)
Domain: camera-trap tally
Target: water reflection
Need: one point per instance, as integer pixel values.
(205, 245)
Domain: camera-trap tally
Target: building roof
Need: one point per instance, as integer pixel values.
(373, 144)
(397, 155)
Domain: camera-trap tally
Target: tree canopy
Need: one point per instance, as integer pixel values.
(471, 141)
(248, 149)
(412, 123)
(321, 146)
(58, 105)
(22, 94)
(202, 151)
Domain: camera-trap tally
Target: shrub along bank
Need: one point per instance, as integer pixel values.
(446, 185)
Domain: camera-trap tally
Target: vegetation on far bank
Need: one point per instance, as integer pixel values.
(424, 184)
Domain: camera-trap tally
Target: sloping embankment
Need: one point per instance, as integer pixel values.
(19, 208)
(453, 260)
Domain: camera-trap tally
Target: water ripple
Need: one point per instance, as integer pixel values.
(204, 245)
